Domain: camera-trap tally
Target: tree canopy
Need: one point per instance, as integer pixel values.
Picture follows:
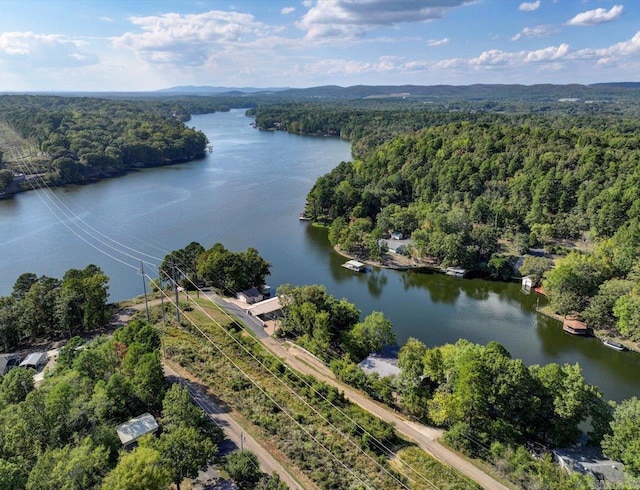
(45, 306)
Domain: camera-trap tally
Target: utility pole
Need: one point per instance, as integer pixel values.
(161, 295)
(175, 288)
(144, 288)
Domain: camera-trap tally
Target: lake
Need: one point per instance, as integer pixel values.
(248, 192)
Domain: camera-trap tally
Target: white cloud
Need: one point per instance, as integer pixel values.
(438, 42)
(497, 58)
(191, 39)
(287, 10)
(617, 53)
(535, 31)
(597, 16)
(553, 58)
(45, 49)
(529, 6)
(352, 18)
(105, 19)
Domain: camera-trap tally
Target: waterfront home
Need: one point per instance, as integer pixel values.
(250, 296)
(269, 309)
(382, 363)
(394, 246)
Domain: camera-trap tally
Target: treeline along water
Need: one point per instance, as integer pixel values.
(248, 193)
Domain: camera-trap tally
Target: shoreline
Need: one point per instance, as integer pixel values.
(600, 335)
(408, 264)
(26, 186)
(394, 262)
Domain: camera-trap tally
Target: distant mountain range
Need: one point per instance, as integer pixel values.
(209, 90)
(478, 92)
(597, 91)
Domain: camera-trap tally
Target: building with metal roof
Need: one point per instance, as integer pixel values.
(8, 362)
(35, 360)
(134, 429)
(269, 309)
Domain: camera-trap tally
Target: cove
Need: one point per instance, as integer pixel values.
(248, 193)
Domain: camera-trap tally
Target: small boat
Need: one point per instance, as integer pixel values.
(614, 345)
(303, 217)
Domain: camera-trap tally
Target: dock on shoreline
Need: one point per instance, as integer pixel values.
(601, 335)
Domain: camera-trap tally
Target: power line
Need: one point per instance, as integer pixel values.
(61, 208)
(376, 441)
(255, 383)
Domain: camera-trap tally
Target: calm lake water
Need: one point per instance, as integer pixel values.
(248, 193)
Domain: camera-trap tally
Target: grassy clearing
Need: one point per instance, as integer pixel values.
(290, 414)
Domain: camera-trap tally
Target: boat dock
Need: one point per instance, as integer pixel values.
(354, 265)
(455, 272)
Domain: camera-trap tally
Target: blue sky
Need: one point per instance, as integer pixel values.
(114, 45)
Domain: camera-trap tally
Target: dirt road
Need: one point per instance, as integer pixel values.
(238, 437)
(426, 437)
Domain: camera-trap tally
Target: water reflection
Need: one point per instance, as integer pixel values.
(440, 287)
(376, 281)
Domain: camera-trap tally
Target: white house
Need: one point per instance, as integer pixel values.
(394, 246)
(250, 296)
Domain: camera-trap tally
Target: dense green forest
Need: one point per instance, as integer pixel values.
(493, 406)
(63, 434)
(77, 138)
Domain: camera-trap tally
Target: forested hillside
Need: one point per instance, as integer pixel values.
(74, 139)
(462, 185)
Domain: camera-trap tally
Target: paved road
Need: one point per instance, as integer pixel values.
(237, 436)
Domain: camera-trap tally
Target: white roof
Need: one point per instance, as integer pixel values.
(354, 263)
(267, 306)
(384, 366)
(136, 428)
(34, 359)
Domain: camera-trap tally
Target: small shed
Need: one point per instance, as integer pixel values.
(250, 296)
(35, 360)
(8, 362)
(396, 235)
(134, 429)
